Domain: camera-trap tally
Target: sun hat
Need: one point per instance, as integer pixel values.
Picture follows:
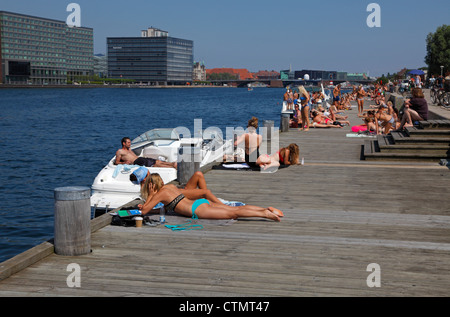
(141, 173)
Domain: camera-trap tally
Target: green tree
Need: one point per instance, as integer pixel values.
(438, 50)
(383, 80)
(221, 76)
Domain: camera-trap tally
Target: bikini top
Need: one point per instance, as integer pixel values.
(281, 158)
(171, 206)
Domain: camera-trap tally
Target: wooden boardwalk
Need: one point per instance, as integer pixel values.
(341, 214)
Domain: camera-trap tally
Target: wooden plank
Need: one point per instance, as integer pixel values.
(25, 259)
(36, 254)
(368, 148)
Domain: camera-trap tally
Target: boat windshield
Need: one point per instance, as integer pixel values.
(157, 134)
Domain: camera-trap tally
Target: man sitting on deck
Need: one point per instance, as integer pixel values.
(126, 156)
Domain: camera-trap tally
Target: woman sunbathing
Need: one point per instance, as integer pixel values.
(332, 113)
(321, 121)
(195, 188)
(174, 199)
(287, 156)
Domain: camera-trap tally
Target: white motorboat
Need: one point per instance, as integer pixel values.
(327, 97)
(112, 187)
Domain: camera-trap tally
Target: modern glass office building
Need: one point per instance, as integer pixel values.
(36, 50)
(157, 59)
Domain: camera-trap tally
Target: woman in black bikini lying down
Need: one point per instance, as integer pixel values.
(174, 199)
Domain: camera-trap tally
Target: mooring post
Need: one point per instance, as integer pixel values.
(269, 125)
(284, 126)
(72, 221)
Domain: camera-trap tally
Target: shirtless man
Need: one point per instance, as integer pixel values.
(289, 98)
(126, 156)
(337, 96)
(252, 143)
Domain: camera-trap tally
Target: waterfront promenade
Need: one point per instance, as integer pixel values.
(341, 215)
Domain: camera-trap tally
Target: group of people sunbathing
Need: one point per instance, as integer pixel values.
(383, 117)
(195, 199)
(309, 111)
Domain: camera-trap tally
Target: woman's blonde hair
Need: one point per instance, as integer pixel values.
(154, 179)
(302, 90)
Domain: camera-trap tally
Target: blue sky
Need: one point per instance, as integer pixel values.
(268, 35)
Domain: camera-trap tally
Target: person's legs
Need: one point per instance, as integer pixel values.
(360, 106)
(159, 163)
(318, 125)
(196, 181)
(386, 127)
(216, 211)
(265, 161)
(197, 193)
(409, 116)
(414, 116)
(305, 118)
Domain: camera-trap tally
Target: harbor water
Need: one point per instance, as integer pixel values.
(62, 137)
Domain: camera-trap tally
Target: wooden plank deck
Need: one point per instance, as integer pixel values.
(341, 214)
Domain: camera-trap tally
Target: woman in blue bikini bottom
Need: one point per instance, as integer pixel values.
(197, 204)
(173, 199)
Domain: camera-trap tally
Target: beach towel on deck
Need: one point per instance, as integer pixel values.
(236, 166)
(126, 169)
(359, 128)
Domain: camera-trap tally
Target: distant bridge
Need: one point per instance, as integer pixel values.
(282, 83)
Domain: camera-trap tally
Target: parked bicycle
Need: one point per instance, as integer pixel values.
(440, 96)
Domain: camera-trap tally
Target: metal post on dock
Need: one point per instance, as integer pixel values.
(72, 221)
(189, 159)
(269, 125)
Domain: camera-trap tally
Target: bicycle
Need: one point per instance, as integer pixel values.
(445, 99)
(440, 97)
(435, 94)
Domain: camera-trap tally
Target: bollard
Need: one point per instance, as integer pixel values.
(72, 221)
(189, 159)
(269, 125)
(284, 126)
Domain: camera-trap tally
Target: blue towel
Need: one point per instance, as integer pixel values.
(125, 167)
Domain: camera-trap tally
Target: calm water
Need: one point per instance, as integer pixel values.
(54, 138)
